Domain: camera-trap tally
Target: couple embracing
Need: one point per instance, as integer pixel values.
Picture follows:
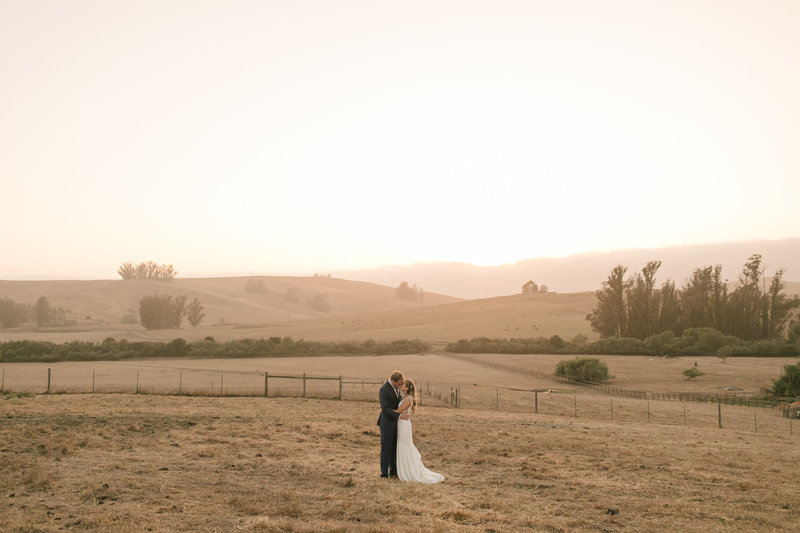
(399, 457)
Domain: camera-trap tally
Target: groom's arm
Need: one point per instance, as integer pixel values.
(385, 407)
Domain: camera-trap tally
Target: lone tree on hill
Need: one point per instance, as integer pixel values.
(194, 313)
(148, 270)
(530, 287)
(404, 291)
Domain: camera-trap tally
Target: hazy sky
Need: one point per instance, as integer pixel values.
(297, 137)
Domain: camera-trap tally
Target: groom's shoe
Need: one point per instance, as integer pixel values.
(384, 476)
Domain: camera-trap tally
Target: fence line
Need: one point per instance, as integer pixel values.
(732, 399)
(580, 403)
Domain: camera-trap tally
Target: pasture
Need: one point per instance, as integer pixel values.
(134, 462)
(130, 463)
(480, 380)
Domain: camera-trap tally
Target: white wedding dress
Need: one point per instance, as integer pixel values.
(409, 461)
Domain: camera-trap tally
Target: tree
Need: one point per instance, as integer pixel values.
(166, 273)
(12, 313)
(609, 317)
(148, 270)
(42, 312)
(161, 311)
(404, 291)
(194, 313)
(319, 302)
(292, 295)
(642, 303)
(724, 351)
(530, 287)
(557, 342)
(780, 308)
(669, 313)
(255, 285)
(127, 271)
(697, 299)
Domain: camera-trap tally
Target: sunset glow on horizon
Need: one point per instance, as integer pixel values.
(302, 137)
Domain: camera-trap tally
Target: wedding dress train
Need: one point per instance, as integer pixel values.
(409, 460)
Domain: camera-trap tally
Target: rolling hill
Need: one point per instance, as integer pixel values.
(358, 311)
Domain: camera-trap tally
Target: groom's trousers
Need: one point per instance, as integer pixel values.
(388, 448)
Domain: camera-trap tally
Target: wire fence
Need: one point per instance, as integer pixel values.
(732, 398)
(569, 400)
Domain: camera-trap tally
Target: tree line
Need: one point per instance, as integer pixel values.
(13, 314)
(147, 270)
(112, 350)
(634, 307)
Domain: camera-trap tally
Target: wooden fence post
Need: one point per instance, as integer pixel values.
(536, 401)
(93, 381)
(576, 405)
(137, 382)
(648, 411)
(340, 387)
(719, 414)
(612, 408)
(684, 414)
(48, 381)
(180, 382)
(221, 382)
(304, 385)
(266, 384)
(3, 386)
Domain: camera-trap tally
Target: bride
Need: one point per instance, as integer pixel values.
(409, 461)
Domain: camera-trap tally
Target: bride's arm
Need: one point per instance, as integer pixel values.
(403, 405)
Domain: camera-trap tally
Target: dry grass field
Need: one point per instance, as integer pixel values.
(742, 375)
(737, 375)
(223, 459)
(130, 463)
(480, 385)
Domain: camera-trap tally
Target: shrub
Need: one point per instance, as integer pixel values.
(692, 373)
(789, 382)
(583, 369)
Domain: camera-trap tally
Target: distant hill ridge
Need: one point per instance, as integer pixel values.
(586, 271)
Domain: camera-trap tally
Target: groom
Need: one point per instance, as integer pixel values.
(389, 396)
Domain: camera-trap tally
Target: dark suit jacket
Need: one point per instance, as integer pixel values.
(389, 402)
